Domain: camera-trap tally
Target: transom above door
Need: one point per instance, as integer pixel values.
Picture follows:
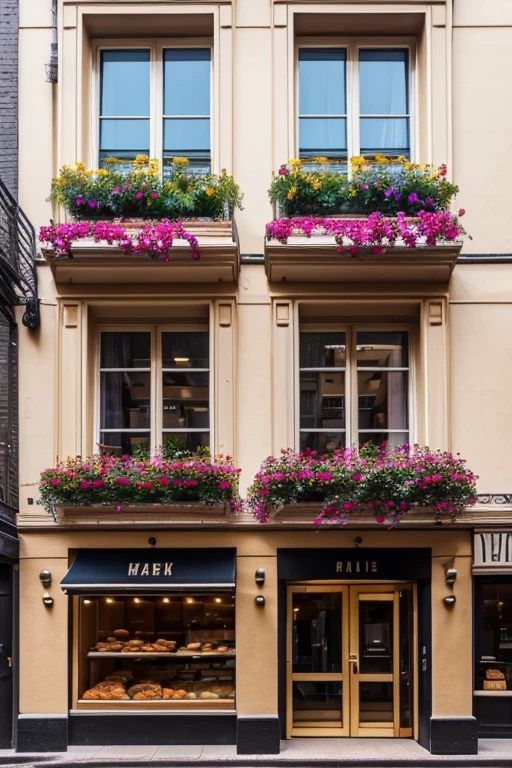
(351, 660)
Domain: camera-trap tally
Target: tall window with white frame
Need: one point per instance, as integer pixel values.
(354, 388)
(154, 390)
(157, 102)
(353, 100)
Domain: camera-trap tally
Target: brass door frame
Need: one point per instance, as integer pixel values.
(350, 677)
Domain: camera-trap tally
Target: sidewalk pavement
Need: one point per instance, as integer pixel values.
(314, 753)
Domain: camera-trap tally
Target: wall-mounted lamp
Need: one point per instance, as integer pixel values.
(449, 600)
(47, 599)
(45, 577)
(259, 600)
(451, 576)
(259, 577)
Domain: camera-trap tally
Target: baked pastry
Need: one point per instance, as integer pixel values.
(121, 634)
(191, 695)
(147, 689)
(116, 647)
(222, 649)
(494, 674)
(194, 646)
(495, 685)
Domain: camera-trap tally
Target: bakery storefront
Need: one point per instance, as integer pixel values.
(492, 572)
(153, 632)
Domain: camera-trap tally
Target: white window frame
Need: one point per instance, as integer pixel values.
(156, 49)
(352, 46)
(156, 418)
(351, 386)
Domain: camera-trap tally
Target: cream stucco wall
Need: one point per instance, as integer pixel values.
(463, 356)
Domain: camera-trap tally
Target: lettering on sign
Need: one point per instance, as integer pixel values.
(356, 566)
(150, 569)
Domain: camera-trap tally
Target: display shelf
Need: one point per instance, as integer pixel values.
(175, 656)
(196, 705)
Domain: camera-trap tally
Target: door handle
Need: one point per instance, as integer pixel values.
(352, 659)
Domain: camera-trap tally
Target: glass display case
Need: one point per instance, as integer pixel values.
(155, 651)
(493, 671)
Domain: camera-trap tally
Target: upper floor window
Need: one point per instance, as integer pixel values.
(354, 388)
(353, 100)
(155, 101)
(154, 387)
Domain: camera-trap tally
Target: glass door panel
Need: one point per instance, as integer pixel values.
(317, 660)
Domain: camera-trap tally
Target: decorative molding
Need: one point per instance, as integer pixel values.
(283, 314)
(435, 313)
(493, 552)
(494, 498)
(225, 312)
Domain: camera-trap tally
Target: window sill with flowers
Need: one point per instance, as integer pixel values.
(389, 220)
(379, 485)
(134, 210)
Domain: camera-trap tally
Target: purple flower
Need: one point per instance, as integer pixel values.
(139, 195)
(388, 192)
(92, 204)
(116, 190)
(79, 200)
(413, 197)
(429, 201)
(397, 196)
(364, 186)
(283, 171)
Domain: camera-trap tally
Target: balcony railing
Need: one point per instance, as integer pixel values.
(18, 279)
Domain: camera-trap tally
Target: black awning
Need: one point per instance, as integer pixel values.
(113, 571)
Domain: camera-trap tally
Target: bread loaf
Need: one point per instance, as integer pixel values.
(495, 685)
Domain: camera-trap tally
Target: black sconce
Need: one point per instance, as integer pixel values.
(47, 599)
(259, 600)
(449, 600)
(45, 577)
(451, 576)
(259, 577)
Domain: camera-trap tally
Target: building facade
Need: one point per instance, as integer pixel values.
(287, 630)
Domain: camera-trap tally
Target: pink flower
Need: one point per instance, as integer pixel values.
(97, 483)
(79, 200)
(54, 481)
(116, 190)
(380, 519)
(153, 195)
(92, 204)
(139, 195)
(85, 484)
(122, 481)
(224, 485)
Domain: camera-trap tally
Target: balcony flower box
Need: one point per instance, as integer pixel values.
(383, 482)
(171, 227)
(110, 484)
(389, 222)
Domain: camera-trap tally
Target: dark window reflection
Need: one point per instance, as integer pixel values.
(494, 640)
(317, 702)
(317, 632)
(376, 636)
(322, 350)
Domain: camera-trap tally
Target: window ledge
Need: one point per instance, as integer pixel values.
(317, 259)
(154, 515)
(94, 262)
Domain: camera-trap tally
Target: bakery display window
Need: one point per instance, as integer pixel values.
(162, 651)
(493, 603)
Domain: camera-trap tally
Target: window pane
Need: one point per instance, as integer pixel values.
(125, 400)
(322, 81)
(383, 78)
(322, 442)
(185, 400)
(124, 443)
(124, 83)
(327, 134)
(375, 703)
(186, 135)
(320, 349)
(494, 635)
(190, 441)
(382, 400)
(125, 349)
(322, 400)
(127, 135)
(382, 349)
(319, 701)
(185, 349)
(375, 636)
(187, 81)
(316, 639)
(381, 134)
(392, 438)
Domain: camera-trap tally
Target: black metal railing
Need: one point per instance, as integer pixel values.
(18, 278)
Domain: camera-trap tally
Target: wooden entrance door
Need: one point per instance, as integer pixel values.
(351, 660)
